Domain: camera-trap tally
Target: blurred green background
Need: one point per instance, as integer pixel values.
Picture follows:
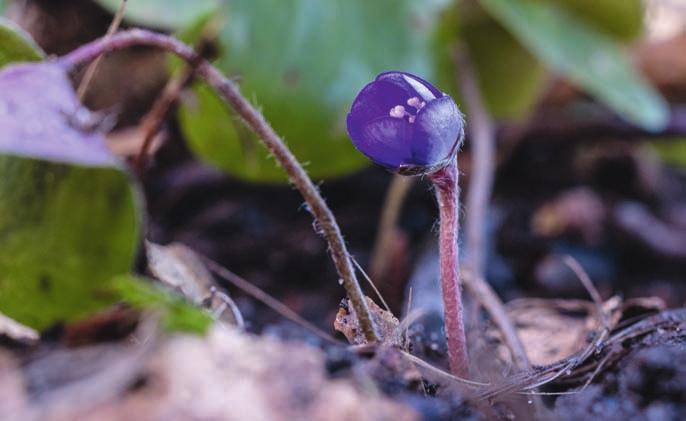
(303, 61)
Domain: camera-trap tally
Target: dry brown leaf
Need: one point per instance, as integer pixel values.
(347, 323)
(551, 330)
(642, 305)
(180, 268)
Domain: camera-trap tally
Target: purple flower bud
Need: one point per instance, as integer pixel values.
(405, 124)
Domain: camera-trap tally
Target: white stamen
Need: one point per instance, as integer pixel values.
(397, 112)
(416, 103)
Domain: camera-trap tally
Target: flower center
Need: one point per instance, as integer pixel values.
(399, 110)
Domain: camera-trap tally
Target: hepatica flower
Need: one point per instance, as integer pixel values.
(403, 123)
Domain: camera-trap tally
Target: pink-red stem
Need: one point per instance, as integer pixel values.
(447, 193)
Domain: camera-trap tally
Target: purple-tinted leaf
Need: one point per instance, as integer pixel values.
(40, 117)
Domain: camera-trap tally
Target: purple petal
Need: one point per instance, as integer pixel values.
(438, 129)
(411, 84)
(376, 100)
(387, 141)
(400, 120)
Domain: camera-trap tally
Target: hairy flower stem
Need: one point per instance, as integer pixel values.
(230, 92)
(447, 193)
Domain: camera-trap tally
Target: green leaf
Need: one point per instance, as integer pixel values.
(203, 28)
(671, 151)
(172, 14)
(622, 19)
(178, 314)
(585, 55)
(69, 217)
(509, 77)
(16, 45)
(64, 231)
(303, 62)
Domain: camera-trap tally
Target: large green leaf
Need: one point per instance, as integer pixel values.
(68, 212)
(620, 18)
(173, 14)
(303, 62)
(16, 45)
(585, 55)
(510, 78)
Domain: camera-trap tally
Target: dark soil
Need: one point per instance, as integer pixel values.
(648, 384)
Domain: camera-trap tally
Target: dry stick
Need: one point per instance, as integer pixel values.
(597, 370)
(264, 298)
(496, 310)
(90, 71)
(407, 322)
(152, 121)
(580, 273)
(393, 202)
(442, 373)
(481, 132)
(230, 92)
(482, 135)
(372, 285)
